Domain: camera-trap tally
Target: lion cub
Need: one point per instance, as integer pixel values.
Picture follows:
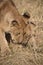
(11, 26)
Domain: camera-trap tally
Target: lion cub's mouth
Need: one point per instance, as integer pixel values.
(9, 39)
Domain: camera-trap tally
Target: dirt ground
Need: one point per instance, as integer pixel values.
(27, 55)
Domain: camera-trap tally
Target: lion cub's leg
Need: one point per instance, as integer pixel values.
(5, 50)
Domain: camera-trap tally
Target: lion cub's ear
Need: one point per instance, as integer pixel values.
(26, 15)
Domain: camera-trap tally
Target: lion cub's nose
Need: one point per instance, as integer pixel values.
(8, 37)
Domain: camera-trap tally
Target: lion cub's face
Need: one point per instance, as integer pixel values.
(15, 27)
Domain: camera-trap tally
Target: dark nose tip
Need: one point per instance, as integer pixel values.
(8, 36)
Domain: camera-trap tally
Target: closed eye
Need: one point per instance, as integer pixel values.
(14, 22)
(31, 23)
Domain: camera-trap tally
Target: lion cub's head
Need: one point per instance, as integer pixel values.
(12, 22)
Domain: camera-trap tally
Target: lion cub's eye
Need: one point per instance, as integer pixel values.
(14, 22)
